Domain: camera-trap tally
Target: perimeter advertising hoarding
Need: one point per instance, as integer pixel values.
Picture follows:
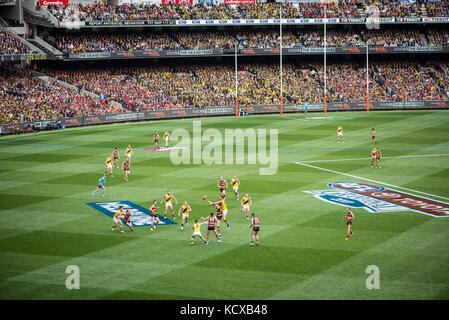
(144, 54)
(177, 1)
(269, 21)
(46, 3)
(97, 23)
(227, 111)
(249, 51)
(23, 57)
(239, 1)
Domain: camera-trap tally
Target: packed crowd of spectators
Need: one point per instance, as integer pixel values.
(405, 81)
(11, 45)
(437, 37)
(169, 89)
(315, 38)
(205, 40)
(100, 11)
(209, 85)
(312, 37)
(395, 37)
(389, 8)
(116, 85)
(441, 75)
(338, 9)
(437, 8)
(204, 85)
(25, 98)
(254, 39)
(112, 42)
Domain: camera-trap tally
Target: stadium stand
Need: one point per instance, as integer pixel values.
(111, 42)
(208, 85)
(119, 87)
(105, 12)
(11, 45)
(25, 98)
(116, 41)
(101, 11)
(388, 8)
(437, 8)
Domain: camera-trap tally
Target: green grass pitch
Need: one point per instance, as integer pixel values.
(46, 225)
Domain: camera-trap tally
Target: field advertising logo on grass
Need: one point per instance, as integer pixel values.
(141, 217)
(375, 198)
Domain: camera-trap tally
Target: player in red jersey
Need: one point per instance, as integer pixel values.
(219, 216)
(126, 166)
(221, 204)
(156, 140)
(222, 185)
(349, 217)
(116, 156)
(127, 219)
(154, 217)
(211, 221)
(255, 223)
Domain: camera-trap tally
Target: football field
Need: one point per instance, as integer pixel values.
(47, 224)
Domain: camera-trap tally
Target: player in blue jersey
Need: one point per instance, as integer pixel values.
(100, 186)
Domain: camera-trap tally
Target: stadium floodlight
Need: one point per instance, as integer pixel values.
(325, 66)
(280, 53)
(324, 3)
(325, 62)
(367, 78)
(236, 84)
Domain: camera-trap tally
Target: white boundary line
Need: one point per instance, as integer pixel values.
(318, 118)
(370, 180)
(368, 158)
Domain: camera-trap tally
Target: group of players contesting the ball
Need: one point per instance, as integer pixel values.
(213, 221)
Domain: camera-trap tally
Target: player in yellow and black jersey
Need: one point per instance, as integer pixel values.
(235, 182)
(340, 134)
(246, 203)
(168, 203)
(373, 156)
(197, 232)
(185, 209)
(129, 152)
(166, 138)
(109, 164)
(118, 219)
(223, 209)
